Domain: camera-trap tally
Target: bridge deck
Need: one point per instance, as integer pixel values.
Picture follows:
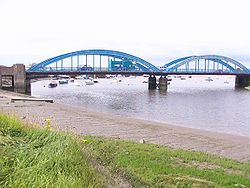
(33, 75)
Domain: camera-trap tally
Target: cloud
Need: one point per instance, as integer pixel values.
(151, 28)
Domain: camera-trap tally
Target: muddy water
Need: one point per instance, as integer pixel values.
(191, 102)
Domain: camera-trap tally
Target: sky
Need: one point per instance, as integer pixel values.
(156, 30)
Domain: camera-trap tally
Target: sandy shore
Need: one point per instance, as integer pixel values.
(83, 121)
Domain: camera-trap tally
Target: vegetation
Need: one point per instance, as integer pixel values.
(33, 157)
(149, 165)
(41, 157)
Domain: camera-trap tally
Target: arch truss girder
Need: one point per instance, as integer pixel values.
(174, 65)
(224, 64)
(176, 61)
(109, 53)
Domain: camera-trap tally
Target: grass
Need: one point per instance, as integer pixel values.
(33, 157)
(149, 165)
(41, 157)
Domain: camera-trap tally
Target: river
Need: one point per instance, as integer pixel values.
(190, 102)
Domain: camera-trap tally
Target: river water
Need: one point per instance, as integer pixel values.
(190, 102)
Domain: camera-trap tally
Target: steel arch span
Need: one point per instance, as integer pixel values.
(139, 63)
(205, 64)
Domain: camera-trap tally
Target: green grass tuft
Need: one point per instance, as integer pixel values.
(42, 158)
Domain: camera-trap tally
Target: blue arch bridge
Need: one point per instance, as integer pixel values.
(102, 62)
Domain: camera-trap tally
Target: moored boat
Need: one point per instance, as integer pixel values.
(95, 81)
(89, 82)
(63, 77)
(52, 84)
(81, 77)
(63, 81)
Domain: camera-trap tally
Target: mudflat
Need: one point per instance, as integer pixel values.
(86, 122)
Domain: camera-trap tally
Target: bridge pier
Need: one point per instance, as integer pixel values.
(152, 82)
(14, 79)
(242, 81)
(162, 85)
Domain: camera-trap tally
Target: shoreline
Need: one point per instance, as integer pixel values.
(86, 122)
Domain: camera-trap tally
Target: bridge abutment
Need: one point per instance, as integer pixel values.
(28, 87)
(19, 78)
(242, 81)
(14, 79)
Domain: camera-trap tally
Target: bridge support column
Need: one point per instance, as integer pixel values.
(152, 82)
(28, 87)
(18, 74)
(19, 78)
(242, 81)
(163, 83)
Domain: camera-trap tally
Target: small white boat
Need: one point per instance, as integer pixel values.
(63, 81)
(72, 80)
(63, 77)
(52, 84)
(108, 76)
(89, 82)
(247, 88)
(81, 77)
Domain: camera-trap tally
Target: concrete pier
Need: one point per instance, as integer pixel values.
(163, 83)
(152, 82)
(242, 81)
(14, 79)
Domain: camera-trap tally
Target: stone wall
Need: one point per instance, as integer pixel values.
(20, 84)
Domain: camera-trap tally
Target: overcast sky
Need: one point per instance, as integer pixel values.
(155, 30)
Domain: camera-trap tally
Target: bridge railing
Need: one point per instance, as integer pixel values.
(72, 69)
(82, 69)
(200, 71)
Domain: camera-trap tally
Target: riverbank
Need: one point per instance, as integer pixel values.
(33, 156)
(85, 122)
